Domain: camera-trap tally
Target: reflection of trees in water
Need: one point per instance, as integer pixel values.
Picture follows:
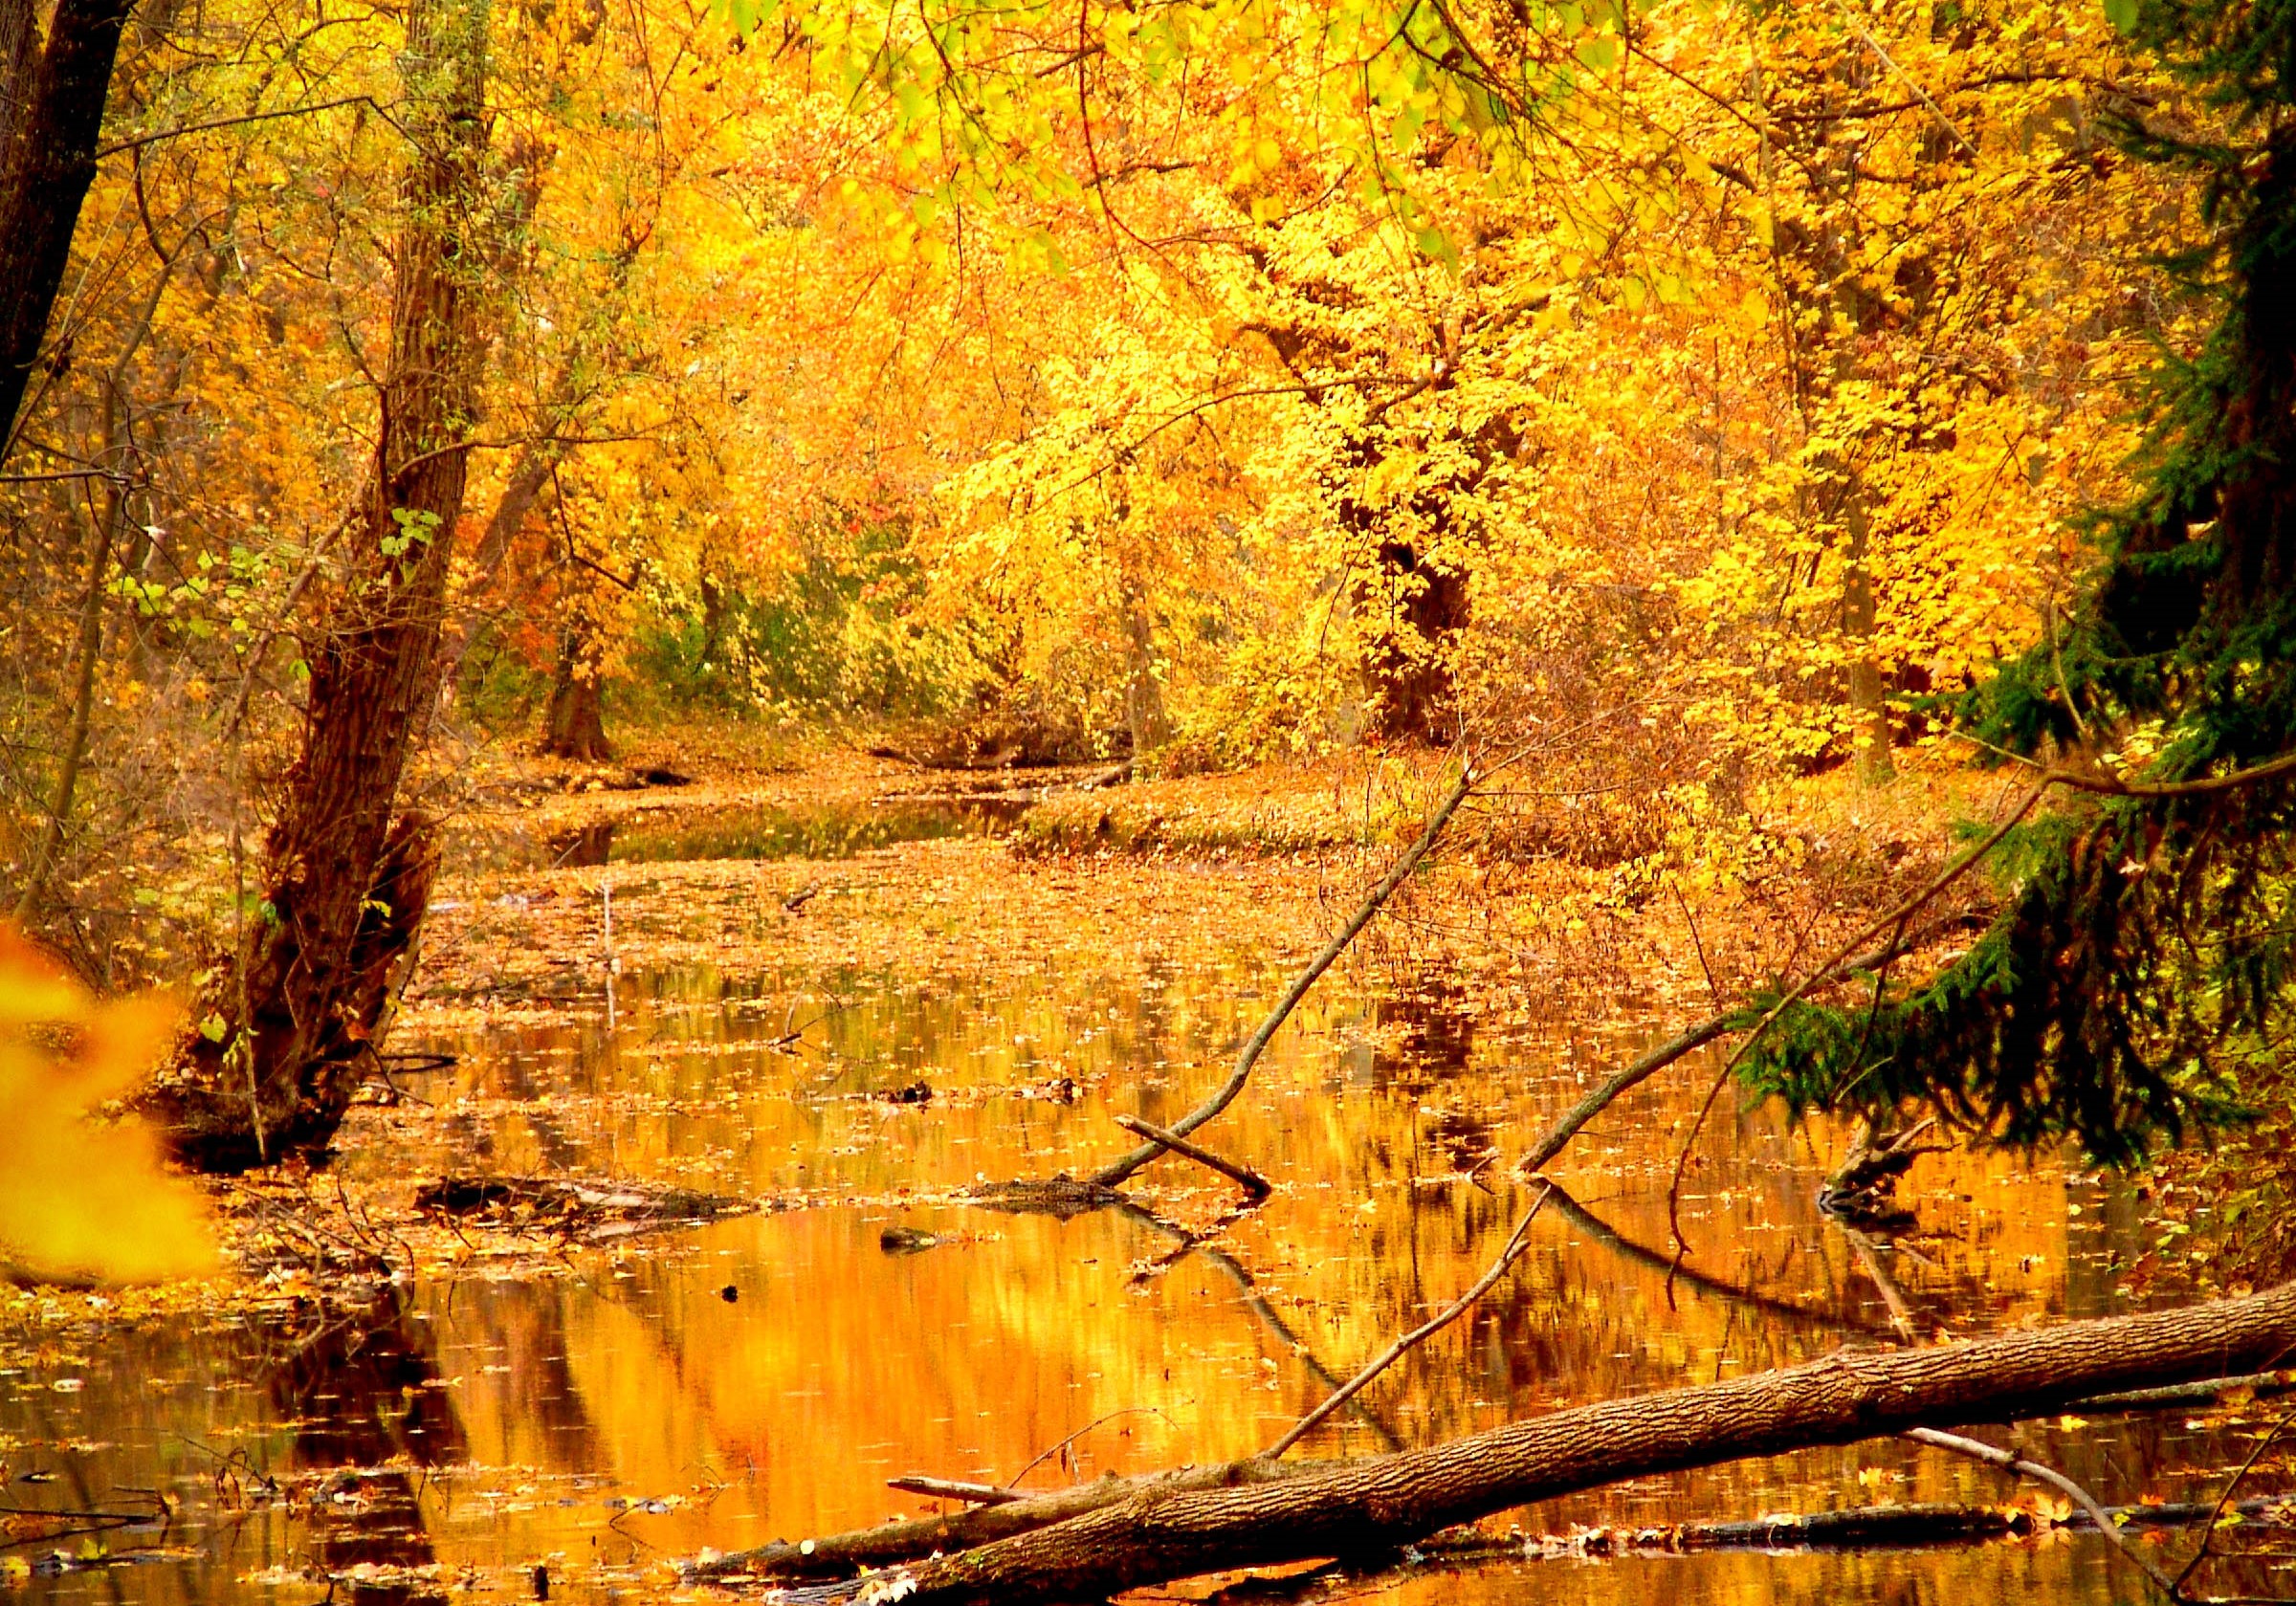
(360, 1392)
(1436, 1039)
(1253, 1299)
(523, 1326)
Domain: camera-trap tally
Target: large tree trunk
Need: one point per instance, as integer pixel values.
(345, 875)
(1369, 1507)
(51, 119)
(1146, 720)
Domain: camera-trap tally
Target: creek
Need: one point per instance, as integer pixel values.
(761, 1377)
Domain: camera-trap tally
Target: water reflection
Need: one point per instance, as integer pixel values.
(629, 1410)
(369, 1412)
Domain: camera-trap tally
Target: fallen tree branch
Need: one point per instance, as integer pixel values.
(573, 1204)
(1558, 1136)
(841, 1556)
(2262, 1385)
(1240, 1517)
(2009, 1460)
(1243, 1175)
(1114, 1174)
(1852, 1527)
(1418, 1335)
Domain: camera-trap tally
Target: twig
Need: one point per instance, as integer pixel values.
(1250, 1180)
(1048, 1453)
(2208, 1530)
(1515, 1245)
(1113, 1175)
(2010, 1460)
(948, 1488)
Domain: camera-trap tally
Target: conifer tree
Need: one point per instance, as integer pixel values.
(2144, 951)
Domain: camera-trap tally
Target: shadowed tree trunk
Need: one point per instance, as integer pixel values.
(345, 874)
(51, 115)
(1426, 606)
(1867, 699)
(575, 725)
(1146, 720)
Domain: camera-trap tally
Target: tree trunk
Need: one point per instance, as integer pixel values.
(19, 47)
(1144, 717)
(575, 726)
(1858, 620)
(53, 118)
(103, 530)
(1365, 1508)
(1426, 607)
(346, 875)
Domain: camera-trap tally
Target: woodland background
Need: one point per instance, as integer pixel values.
(1203, 382)
(1700, 401)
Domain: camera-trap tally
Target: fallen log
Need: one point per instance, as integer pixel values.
(1176, 1529)
(841, 1556)
(951, 1488)
(1254, 1184)
(1854, 1527)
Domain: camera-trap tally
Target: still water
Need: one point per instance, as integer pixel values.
(761, 1377)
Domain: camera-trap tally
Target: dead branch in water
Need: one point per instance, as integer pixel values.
(1114, 1174)
(1516, 1242)
(950, 1489)
(1243, 1175)
(575, 1206)
(2009, 1460)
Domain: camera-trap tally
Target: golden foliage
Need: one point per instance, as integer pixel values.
(81, 1200)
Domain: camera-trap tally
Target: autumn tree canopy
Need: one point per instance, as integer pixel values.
(1749, 390)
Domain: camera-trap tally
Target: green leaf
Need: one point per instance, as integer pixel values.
(1434, 242)
(2122, 15)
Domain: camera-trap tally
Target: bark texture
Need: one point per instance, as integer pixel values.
(50, 115)
(345, 874)
(1365, 1507)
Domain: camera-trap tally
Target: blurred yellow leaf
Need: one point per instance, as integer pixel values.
(82, 1199)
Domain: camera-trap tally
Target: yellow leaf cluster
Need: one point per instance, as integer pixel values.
(83, 1200)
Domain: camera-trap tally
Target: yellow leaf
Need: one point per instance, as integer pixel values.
(80, 1200)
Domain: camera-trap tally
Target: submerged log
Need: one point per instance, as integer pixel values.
(572, 1205)
(1854, 1527)
(1176, 1529)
